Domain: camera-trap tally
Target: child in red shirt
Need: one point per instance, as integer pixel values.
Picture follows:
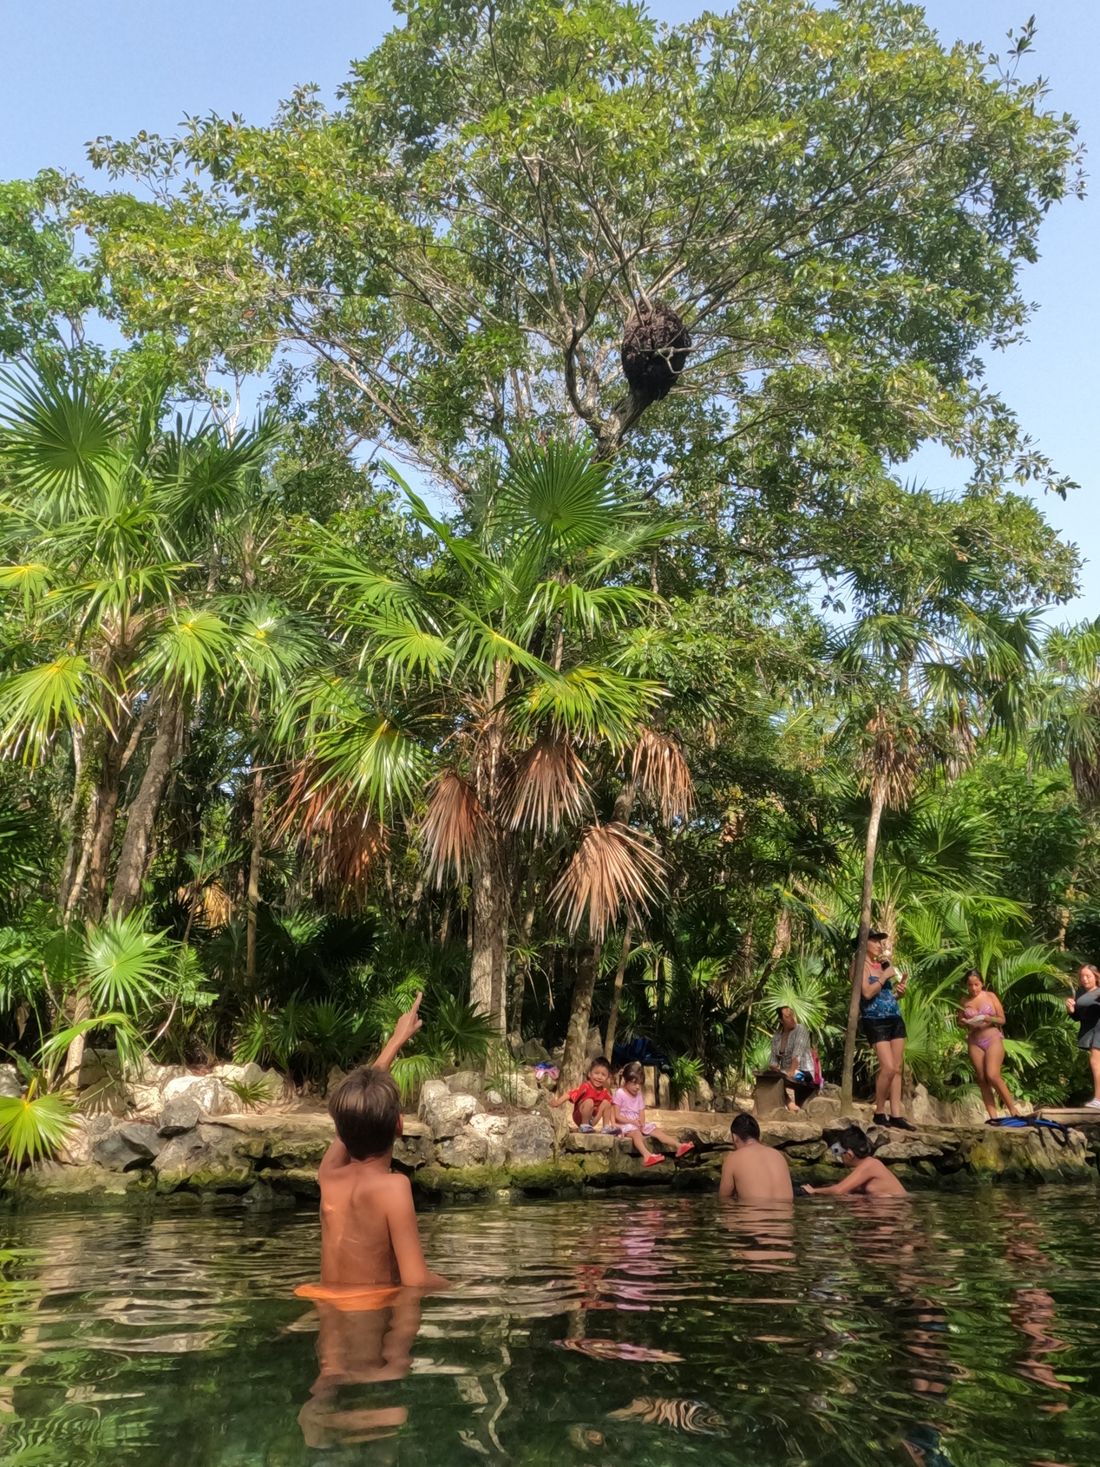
(592, 1104)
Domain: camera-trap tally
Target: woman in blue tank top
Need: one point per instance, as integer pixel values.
(884, 1029)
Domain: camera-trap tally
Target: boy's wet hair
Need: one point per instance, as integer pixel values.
(633, 1071)
(745, 1127)
(600, 1059)
(366, 1108)
(855, 1141)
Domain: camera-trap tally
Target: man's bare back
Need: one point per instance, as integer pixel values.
(756, 1173)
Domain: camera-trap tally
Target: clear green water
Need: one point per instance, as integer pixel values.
(957, 1329)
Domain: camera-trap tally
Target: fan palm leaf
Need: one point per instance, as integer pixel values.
(613, 870)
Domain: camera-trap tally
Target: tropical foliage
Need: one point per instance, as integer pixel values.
(647, 681)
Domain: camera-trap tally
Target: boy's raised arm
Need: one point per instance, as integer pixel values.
(407, 1025)
(412, 1269)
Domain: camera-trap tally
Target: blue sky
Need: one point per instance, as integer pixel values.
(74, 71)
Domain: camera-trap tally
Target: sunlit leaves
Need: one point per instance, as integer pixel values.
(124, 966)
(33, 1127)
(36, 703)
(58, 436)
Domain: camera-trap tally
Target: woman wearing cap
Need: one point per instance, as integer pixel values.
(884, 1030)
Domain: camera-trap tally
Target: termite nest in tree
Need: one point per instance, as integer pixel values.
(655, 350)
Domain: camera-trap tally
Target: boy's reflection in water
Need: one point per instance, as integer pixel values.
(360, 1346)
(1032, 1310)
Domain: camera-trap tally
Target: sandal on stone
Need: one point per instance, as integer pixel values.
(586, 1128)
(684, 1148)
(653, 1159)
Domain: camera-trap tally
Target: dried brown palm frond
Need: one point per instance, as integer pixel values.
(661, 772)
(344, 837)
(548, 785)
(614, 869)
(453, 827)
(892, 758)
(210, 904)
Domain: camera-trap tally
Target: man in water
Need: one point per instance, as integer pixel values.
(867, 1174)
(753, 1172)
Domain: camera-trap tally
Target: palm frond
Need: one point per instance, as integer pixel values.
(559, 496)
(58, 434)
(453, 827)
(613, 870)
(659, 768)
(548, 786)
(124, 966)
(39, 702)
(33, 1127)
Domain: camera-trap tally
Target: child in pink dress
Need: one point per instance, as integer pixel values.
(629, 1103)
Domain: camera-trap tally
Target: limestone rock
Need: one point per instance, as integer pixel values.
(908, 1150)
(534, 1053)
(465, 1082)
(179, 1115)
(585, 1141)
(467, 1148)
(517, 1091)
(208, 1157)
(209, 1093)
(444, 1112)
(86, 1132)
(529, 1138)
(822, 1107)
(703, 1098)
(127, 1147)
(414, 1149)
(494, 1097)
(779, 1132)
(926, 1110)
(808, 1151)
(10, 1085)
(492, 1129)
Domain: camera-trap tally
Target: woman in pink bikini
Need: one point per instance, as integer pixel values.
(983, 1019)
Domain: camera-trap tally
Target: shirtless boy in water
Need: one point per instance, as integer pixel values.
(368, 1226)
(867, 1175)
(753, 1172)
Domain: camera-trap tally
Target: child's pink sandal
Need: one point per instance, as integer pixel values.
(653, 1160)
(683, 1148)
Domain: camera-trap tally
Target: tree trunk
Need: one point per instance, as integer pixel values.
(489, 928)
(141, 818)
(617, 991)
(520, 974)
(254, 864)
(96, 869)
(878, 800)
(575, 1060)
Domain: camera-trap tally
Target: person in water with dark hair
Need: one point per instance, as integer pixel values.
(753, 1172)
(866, 1173)
(884, 1028)
(369, 1236)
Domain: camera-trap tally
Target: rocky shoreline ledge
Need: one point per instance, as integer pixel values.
(187, 1146)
